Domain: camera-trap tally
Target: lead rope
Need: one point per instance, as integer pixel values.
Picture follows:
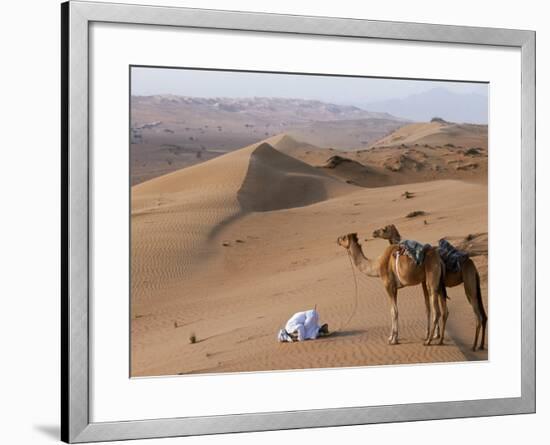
(353, 312)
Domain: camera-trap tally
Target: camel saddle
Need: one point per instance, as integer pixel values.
(451, 256)
(413, 249)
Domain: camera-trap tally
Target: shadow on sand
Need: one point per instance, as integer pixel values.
(342, 334)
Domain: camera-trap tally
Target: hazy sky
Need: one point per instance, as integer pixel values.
(339, 90)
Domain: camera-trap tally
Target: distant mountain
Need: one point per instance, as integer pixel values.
(272, 110)
(171, 132)
(438, 102)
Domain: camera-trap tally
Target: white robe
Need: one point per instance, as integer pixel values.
(304, 324)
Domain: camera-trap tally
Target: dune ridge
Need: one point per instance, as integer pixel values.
(275, 181)
(437, 133)
(451, 155)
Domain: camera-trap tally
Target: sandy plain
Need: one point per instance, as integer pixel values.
(227, 250)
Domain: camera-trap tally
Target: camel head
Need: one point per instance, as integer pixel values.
(388, 232)
(346, 240)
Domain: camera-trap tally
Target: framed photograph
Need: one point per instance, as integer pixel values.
(276, 222)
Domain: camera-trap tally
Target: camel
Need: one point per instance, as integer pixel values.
(398, 271)
(467, 275)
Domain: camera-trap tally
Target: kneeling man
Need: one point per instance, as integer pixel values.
(303, 326)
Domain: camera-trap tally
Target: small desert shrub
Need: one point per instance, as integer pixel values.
(192, 338)
(416, 213)
(473, 151)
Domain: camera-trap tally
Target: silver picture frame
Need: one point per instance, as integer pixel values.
(75, 361)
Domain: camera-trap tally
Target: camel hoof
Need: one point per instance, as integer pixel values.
(427, 342)
(441, 342)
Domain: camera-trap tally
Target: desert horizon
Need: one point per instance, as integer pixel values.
(236, 209)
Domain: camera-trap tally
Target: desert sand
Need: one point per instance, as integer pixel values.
(227, 250)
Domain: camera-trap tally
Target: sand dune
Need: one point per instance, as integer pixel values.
(335, 163)
(227, 250)
(353, 172)
(276, 181)
(173, 217)
(411, 133)
(437, 133)
(395, 164)
(178, 214)
(305, 152)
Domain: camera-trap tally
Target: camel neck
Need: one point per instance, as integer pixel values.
(362, 263)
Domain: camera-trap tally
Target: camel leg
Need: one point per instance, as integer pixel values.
(434, 308)
(483, 332)
(473, 293)
(483, 317)
(478, 326)
(470, 291)
(444, 316)
(427, 303)
(392, 293)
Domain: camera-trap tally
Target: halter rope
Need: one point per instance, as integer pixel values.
(353, 312)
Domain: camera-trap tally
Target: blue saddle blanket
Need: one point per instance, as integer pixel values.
(451, 256)
(414, 250)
